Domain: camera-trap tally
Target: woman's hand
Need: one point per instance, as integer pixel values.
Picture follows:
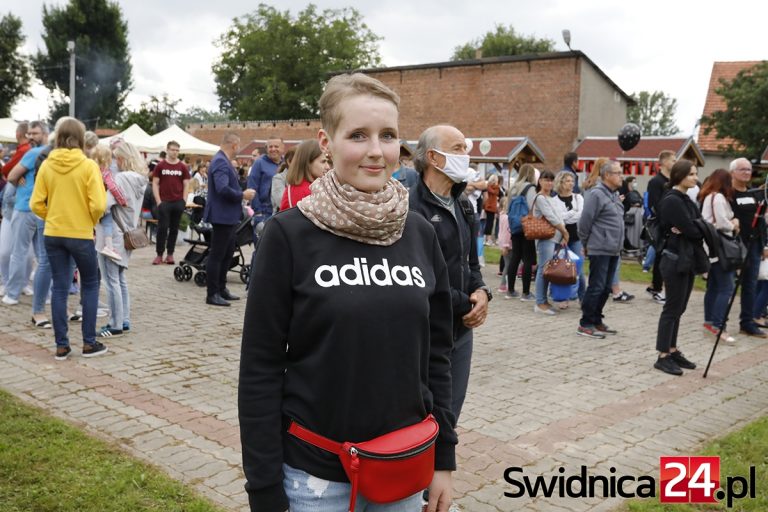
(736, 225)
(676, 231)
(440, 492)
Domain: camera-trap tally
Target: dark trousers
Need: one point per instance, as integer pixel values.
(461, 361)
(601, 270)
(749, 284)
(169, 215)
(222, 247)
(657, 281)
(678, 286)
(524, 250)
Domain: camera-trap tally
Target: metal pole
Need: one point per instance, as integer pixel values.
(71, 49)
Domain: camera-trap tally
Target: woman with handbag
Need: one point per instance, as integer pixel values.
(348, 332)
(715, 197)
(544, 206)
(569, 207)
(682, 257)
(523, 250)
(131, 179)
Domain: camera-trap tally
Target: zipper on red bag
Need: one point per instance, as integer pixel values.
(354, 451)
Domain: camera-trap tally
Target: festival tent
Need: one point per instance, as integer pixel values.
(8, 130)
(188, 144)
(135, 135)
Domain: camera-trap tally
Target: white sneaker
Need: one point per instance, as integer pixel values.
(111, 253)
(28, 291)
(9, 301)
(548, 311)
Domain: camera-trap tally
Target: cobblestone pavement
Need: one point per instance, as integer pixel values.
(540, 397)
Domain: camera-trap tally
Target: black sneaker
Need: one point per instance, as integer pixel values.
(62, 353)
(667, 365)
(623, 297)
(590, 332)
(602, 328)
(681, 360)
(97, 349)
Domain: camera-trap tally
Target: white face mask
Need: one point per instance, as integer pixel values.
(456, 167)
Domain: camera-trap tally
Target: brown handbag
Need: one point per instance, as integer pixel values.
(561, 270)
(536, 228)
(135, 238)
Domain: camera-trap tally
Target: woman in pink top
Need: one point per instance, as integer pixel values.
(308, 164)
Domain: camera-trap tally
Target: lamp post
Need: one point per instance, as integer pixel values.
(71, 50)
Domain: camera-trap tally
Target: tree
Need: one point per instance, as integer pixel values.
(272, 65)
(200, 115)
(501, 42)
(154, 115)
(103, 68)
(654, 113)
(14, 67)
(745, 118)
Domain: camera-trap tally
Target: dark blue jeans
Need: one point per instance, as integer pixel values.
(601, 270)
(60, 250)
(719, 289)
(749, 285)
(461, 361)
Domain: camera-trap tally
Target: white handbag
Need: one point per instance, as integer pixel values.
(762, 274)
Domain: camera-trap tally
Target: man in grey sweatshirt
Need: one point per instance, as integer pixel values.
(601, 230)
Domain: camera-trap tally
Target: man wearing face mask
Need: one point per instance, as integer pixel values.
(443, 164)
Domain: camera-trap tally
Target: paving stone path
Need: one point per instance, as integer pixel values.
(540, 397)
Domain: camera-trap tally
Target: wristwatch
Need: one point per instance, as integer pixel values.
(487, 292)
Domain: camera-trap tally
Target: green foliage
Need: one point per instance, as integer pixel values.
(46, 465)
(103, 68)
(14, 68)
(273, 65)
(654, 113)
(745, 118)
(200, 115)
(501, 42)
(154, 115)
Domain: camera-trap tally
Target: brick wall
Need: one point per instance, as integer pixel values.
(537, 98)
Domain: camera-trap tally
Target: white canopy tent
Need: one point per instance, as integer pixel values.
(187, 143)
(8, 130)
(136, 136)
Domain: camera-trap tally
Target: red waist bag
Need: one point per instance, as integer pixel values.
(385, 469)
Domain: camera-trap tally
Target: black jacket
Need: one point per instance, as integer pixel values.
(455, 232)
(679, 211)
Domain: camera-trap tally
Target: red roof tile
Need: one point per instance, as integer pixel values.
(648, 148)
(715, 103)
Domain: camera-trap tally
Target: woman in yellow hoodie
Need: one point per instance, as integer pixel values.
(69, 196)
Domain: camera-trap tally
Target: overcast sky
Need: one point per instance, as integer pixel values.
(642, 45)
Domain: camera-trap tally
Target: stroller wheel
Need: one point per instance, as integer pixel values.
(187, 272)
(245, 273)
(200, 278)
(178, 274)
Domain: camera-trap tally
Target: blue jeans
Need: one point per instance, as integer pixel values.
(601, 271)
(749, 285)
(720, 286)
(42, 283)
(83, 251)
(577, 247)
(307, 493)
(23, 232)
(650, 256)
(118, 299)
(761, 299)
(616, 273)
(545, 249)
(6, 240)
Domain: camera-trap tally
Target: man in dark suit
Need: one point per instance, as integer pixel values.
(223, 210)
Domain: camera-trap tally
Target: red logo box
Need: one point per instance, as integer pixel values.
(689, 479)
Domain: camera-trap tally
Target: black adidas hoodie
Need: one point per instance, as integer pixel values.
(351, 340)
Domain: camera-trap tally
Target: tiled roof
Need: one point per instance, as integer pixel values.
(503, 149)
(592, 148)
(715, 103)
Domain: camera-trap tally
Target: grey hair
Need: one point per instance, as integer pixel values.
(562, 175)
(39, 124)
(735, 163)
(91, 140)
(429, 139)
(230, 138)
(606, 167)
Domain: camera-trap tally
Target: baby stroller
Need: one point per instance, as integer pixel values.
(197, 256)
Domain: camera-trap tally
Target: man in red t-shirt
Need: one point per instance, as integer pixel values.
(170, 180)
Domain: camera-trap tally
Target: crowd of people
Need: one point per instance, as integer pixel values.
(401, 258)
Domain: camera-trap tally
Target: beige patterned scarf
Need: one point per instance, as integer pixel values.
(376, 218)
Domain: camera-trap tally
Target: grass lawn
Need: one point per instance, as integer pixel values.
(48, 465)
(737, 451)
(631, 270)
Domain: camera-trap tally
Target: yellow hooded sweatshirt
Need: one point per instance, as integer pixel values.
(69, 194)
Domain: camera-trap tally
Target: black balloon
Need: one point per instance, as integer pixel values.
(629, 136)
